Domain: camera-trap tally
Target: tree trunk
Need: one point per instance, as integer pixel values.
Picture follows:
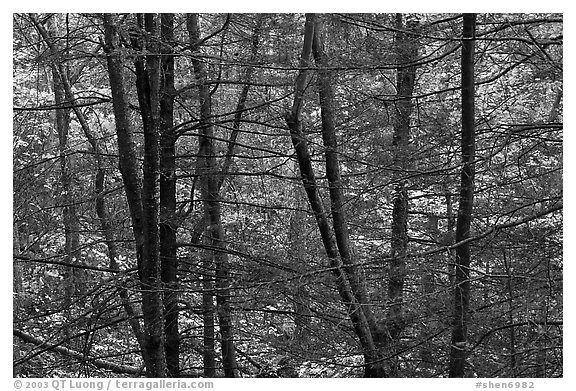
(168, 221)
(462, 279)
(337, 201)
(152, 306)
(211, 199)
(349, 282)
(141, 200)
(406, 48)
(124, 132)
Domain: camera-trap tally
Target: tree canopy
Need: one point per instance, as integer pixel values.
(287, 195)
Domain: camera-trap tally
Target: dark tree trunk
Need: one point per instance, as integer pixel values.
(126, 152)
(462, 279)
(141, 200)
(168, 223)
(354, 273)
(337, 200)
(152, 306)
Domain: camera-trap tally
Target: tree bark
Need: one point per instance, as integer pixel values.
(337, 201)
(152, 306)
(141, 199)
(168, 223)
(462, 279)
(124, 132)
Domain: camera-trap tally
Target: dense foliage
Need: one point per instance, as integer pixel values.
(250, 271)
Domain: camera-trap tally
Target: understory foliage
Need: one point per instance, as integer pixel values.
(163, 223)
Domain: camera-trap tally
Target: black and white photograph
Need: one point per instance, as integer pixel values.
(286, 195)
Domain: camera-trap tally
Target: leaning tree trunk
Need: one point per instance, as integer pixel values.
(349, 280)
(462, 278)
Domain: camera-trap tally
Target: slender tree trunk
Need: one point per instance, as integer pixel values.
(462, 281)
(211, 199)
(349, 288)
(17, 291)
(127, 154)
(107, 230)
(337, 200)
